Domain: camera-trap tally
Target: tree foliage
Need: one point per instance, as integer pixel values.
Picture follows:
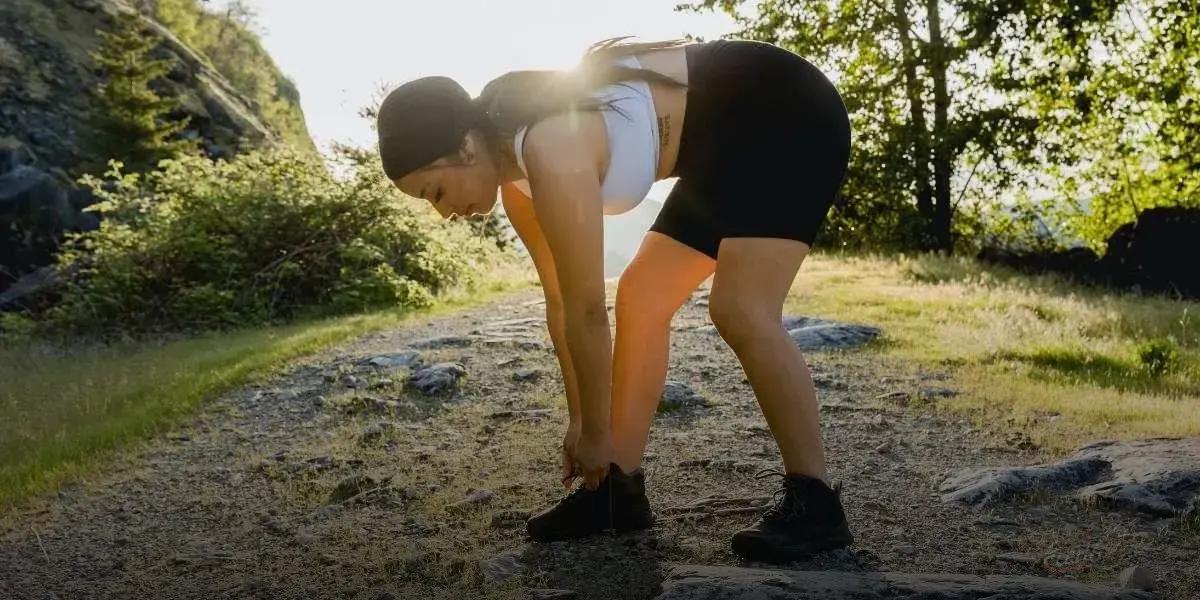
(135, 124)
(228, 38)
(1140, 147)
(963, 110)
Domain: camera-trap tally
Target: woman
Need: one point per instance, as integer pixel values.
(759, 139)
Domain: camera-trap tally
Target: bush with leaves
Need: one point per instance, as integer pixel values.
(1158, 356)
(201, 244)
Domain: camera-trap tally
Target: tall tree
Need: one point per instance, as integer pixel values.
(937, 90)
(1137, 144)
(135, 124)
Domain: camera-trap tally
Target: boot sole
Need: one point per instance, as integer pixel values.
(755, 549)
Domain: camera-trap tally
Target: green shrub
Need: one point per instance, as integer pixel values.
(1158, 356)
(201, 244)
(16, 327)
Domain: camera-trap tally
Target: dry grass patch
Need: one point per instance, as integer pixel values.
(1069, 362)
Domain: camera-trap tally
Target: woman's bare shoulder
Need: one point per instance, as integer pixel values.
(568, 139)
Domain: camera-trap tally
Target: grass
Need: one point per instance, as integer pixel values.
(1067, 363)
(1064, 363)
(68, 411)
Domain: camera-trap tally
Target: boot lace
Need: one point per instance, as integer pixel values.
(574, 496)
(783, 506)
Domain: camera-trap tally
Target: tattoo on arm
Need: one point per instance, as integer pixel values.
(664, 131)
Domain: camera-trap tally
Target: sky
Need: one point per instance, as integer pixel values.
(340, 53)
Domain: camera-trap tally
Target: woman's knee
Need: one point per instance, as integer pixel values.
(740, 322)
(638, 297)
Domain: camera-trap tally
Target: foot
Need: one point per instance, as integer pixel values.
(807, 519)
(619, 503)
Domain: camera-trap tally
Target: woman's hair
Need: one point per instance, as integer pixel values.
(521, 98)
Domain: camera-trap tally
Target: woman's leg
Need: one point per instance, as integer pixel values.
(752, 279)
(652, 288)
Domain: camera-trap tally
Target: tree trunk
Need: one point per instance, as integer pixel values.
(942, 166)
(917, 130)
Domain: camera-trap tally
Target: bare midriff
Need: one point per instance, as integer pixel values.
(669, 103)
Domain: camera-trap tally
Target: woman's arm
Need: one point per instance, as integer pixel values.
(519, 209)
(564, 161)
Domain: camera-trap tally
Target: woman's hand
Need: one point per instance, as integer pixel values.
(570, 441)
(592, 456)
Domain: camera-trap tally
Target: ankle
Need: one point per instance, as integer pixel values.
(627, 466)
(810, 478)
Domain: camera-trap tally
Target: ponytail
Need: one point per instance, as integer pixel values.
(521, 98)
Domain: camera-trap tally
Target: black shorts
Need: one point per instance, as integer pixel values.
(763, 151)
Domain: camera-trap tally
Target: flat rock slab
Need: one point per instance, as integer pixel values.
(694, 582)
(811, 333)
(1160, 476)
(407, 358)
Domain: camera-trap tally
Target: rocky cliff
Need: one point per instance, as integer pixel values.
(46, 74)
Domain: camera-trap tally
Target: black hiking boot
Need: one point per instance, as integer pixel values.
(806, 518)
(619, 503)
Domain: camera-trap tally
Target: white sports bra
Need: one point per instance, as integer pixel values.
(632, 143)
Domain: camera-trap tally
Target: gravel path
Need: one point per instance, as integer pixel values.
(337, 478)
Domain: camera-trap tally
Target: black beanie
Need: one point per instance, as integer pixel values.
(421, 121)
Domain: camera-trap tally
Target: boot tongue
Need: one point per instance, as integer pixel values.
(811, 492)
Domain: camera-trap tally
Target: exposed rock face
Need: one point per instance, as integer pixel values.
(46, 73)
(46, 76)
(690, 582)
(1160, 476)
(36, 208)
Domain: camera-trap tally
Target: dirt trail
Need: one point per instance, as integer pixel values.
(237, 504)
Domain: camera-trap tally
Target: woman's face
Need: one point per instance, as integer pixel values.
(461, 184)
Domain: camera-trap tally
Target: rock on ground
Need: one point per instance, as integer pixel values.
(692, 582)
(502, 566)
(437, 378)
(818, 334)
(407, 358)
(811, 333)
(679, 396)
(1160, 476)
